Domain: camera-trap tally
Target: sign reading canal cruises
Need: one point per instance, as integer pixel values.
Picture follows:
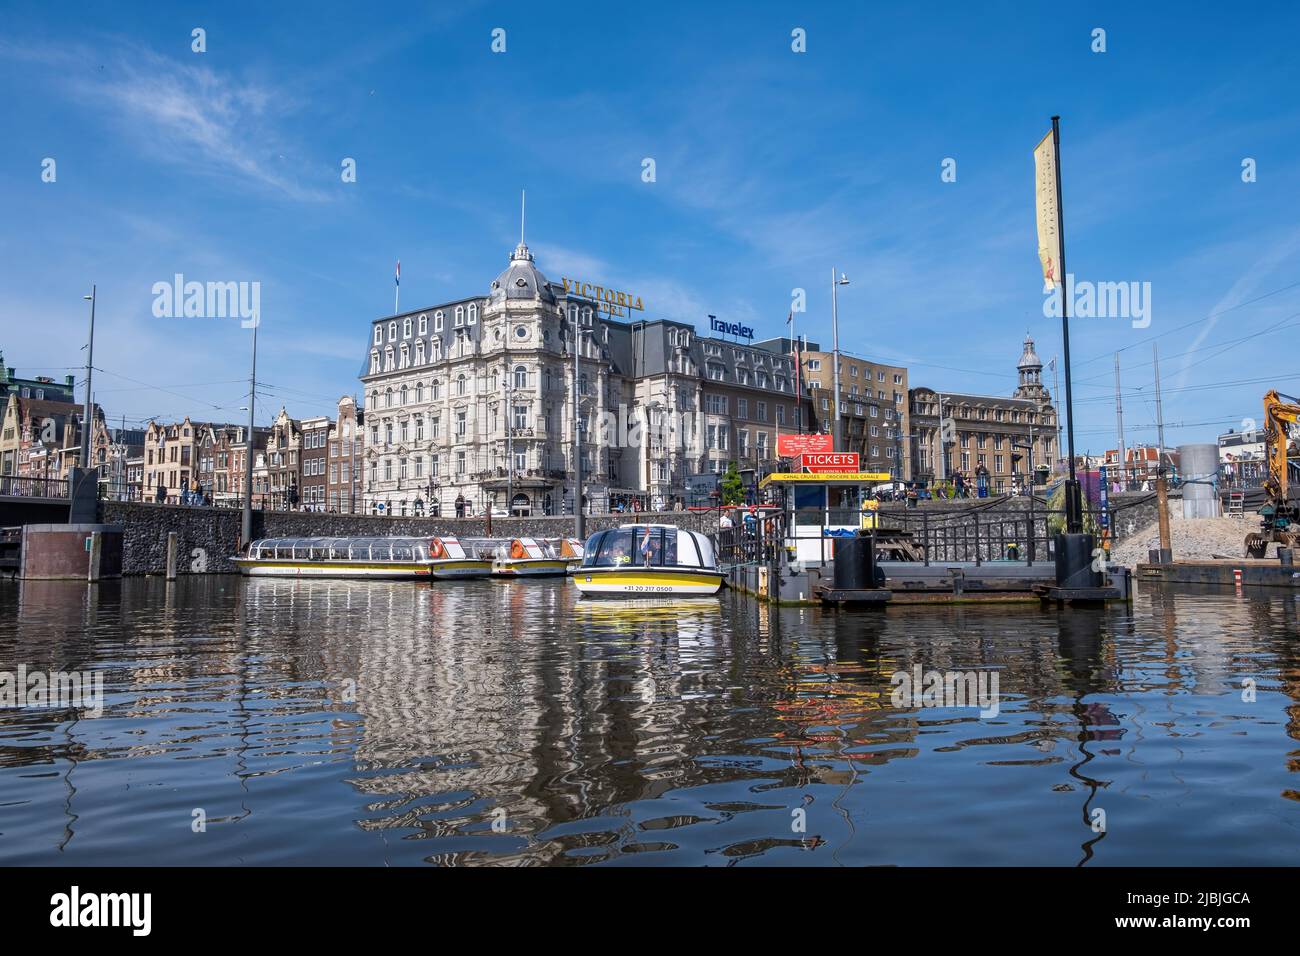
(833, 462)
(792, 446)
(609, 301)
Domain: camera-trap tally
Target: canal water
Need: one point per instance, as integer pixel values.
(482, 723)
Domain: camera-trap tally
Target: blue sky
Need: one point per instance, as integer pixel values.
(772, 168)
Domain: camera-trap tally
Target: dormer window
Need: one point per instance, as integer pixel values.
(406, 327)
(473, 313)
(424, 325)
(460, 316)
(392, 331)
(379, 335)
(437, 321)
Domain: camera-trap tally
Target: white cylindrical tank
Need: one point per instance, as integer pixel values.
(1200, 468)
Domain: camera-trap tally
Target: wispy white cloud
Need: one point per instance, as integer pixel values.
(181, 112)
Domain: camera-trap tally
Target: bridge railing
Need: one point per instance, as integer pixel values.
(23, 487)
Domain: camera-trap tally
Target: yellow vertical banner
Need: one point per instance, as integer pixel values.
(1049, 215)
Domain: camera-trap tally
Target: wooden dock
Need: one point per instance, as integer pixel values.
(1225, 572)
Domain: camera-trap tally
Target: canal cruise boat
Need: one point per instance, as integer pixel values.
(641, 560)
(528, 557)
(452, 558)
(570, 549)
(386, 558)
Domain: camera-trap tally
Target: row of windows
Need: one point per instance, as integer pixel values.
(463, 316)
(815, 365)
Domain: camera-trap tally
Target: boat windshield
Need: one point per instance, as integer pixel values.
(644, 547)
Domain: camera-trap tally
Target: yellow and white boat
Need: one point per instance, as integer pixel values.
(527, 557)
(336, 558)
(640, 560)
(570, 549)
(449, 558)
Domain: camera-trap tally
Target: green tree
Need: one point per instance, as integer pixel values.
(733, 489)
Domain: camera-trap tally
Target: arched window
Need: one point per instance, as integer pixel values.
(379, 334)
(392, 331)
(424, 324)
(460, 384)
(437, 389)
(419, 352)
(402, 397)
(419, 392)
(437, 321)
(388, 398)
(374, 361)
(406, 327)
(460, 316)
(406, 355)
(473, 312)
(521, 377)
(388, 358)
(435, 351)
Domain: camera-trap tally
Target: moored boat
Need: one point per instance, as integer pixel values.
(451, 558)
(636, 560)
(394, 557)
(527, 557)
(571, 550)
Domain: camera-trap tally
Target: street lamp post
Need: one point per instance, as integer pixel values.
(577, 433)
(246, 524)
(835, 344)
(90, 362)
(510, 441)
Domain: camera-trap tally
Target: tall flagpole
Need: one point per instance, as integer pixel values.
(397, 288)
(1073, 502)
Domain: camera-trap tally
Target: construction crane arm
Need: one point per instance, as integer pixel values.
(1277, 416)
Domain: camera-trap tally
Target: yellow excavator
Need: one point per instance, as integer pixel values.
(1280, 516)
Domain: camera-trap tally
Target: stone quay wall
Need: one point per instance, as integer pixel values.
(208, 537)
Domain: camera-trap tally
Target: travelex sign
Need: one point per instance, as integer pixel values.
(610, 301)
(731, 328)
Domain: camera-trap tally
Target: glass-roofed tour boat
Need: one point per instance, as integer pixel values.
(336, 558)
(389, 557)
(639, 560)
(528, 557)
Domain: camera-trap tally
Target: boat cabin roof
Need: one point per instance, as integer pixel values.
(649, 545)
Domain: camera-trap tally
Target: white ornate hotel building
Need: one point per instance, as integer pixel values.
(468, 405)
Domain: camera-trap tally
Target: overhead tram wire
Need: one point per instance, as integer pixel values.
(1188, 325)
(1224, 346)
(1140, 390)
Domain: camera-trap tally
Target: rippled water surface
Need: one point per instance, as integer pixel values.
(508, 723)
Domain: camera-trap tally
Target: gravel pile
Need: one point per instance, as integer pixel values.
(1190, 538)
